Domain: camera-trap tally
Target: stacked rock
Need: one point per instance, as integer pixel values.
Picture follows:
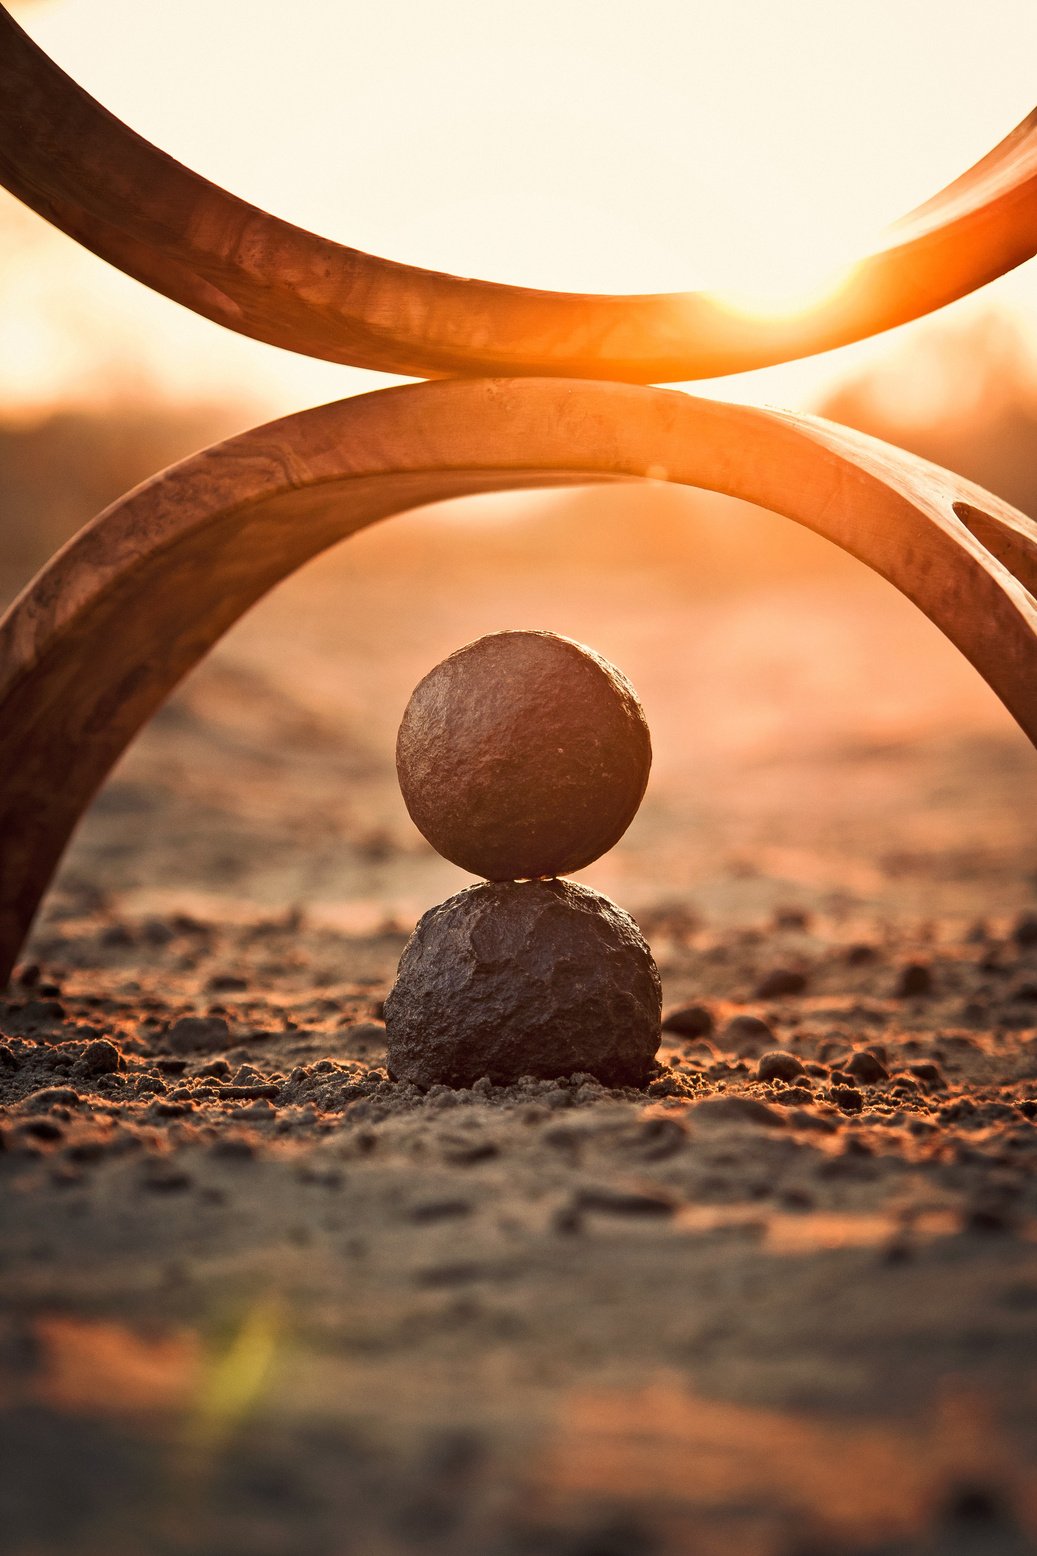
(521, 757)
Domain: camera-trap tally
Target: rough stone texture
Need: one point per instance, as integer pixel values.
(522, 755)
(779, 1066)
(540, 978)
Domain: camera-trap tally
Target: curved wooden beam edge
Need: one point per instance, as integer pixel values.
(137, 597)
(90, 175)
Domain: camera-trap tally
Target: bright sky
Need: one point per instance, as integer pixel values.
(627, 145)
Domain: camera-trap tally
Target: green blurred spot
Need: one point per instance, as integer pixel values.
(233, 1380)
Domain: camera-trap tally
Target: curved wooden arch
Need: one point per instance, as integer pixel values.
(89, 174)
(138, 596)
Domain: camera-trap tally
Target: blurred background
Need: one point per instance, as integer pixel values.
(816, 739)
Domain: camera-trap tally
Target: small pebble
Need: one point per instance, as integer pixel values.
(37, 1013)
(847, 1098)
(42, 1129)
(226, 983)
(1024, 930)
(736, 1110)
(780, 981)
(690, 1021)
(746, 1036)
(99, 1058)
(914, 981)
(196, 1034)
(791, 917)
(778, 1066)
(866, 1067)
(53, 1097)
(607, 1200)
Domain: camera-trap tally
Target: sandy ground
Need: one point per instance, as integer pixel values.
(257, 1298)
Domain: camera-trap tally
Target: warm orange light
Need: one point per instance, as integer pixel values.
(785, 284)
(667, 148)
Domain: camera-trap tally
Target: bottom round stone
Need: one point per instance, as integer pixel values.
(513, 978)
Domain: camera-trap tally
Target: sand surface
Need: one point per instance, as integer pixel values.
(257, 1298)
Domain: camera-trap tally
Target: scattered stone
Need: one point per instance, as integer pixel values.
(247, 1093)
(989, 1215)
(736, 1110)
(53, 1097)
(867, 1067)
(792, 1096)
(90, 1150)
(226, 983)
(1024, 930)
(914, 981)
(810, 1118)
(746, 1036)
(789, 916)
(363, 1037)
(778, 1066)
(653, 1139)
(510, 979)
(197, 1034)
(215, 1069)
(37, 1013)
(446, 1209)
(690, 1021)
(99, 1058)
(116, 936)
(465, 1153)
(42, 1128)
(523, 755)
(607, 1200)
(846, 1097)
(262, 1111)
(164, 1178)
(779, 982)
(234, 1147)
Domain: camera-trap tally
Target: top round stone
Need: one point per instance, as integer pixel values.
(523, 755)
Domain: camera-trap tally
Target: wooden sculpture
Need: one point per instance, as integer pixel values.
(120, 614)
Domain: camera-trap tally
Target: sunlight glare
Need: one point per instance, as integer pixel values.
(791, 279)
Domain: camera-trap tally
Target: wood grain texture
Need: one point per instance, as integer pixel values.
(116, 618)
(89, 174)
